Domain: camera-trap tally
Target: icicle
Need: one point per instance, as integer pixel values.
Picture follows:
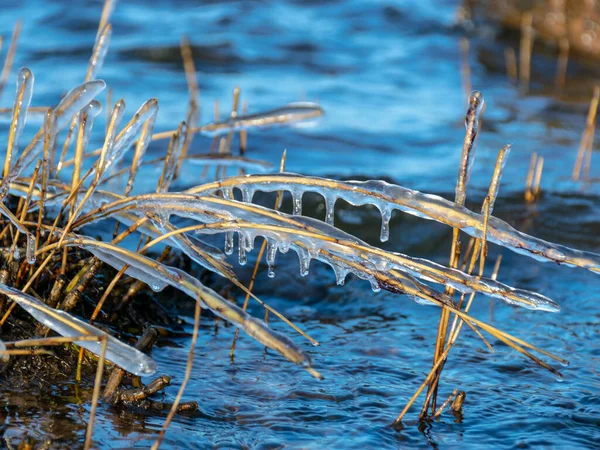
(271, 253)
(304, 259)
(249, 241)
(241, 250)
(30, 251)
(228, 243)
(340, 274)
(329, 209)
(386, 215)
(297, 201)
(374, 285)
(17, 254)
(227, 193)
(247, 194)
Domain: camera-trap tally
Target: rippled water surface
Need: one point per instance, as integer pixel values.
(389, 77)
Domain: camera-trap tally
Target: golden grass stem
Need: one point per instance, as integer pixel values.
(525, 49)
(587, 135)
(465, 65)
(10, 55)
(562, 62)
(188, 373)
(96, 393)
(510, 60)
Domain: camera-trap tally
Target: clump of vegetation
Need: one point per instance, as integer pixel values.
(49, 262)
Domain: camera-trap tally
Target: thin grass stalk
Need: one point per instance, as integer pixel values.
(587, 133)
(95, 395)
(10, 55)
(471, 121)
(510, 60)
(188, 373)
(525, 49)
(562, 63)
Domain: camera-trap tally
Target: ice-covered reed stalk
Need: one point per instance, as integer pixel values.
(388, 197)
(64, 324)
(158, 276)
(283, 230)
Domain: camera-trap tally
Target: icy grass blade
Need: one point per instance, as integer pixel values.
(128, 135)
(99, 52)
(387, 197)
(314, 235)
(469, 149)
(310, 245)
(25, 82)
(30, 251)
(109, 140)
(124, 356)
(286, 115)
(159, 274)
(226, 160)
(172, 158)
(202, 253)
(209, 160)
(71, 104)
(140, 149)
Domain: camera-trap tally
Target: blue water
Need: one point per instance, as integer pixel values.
(389, 78)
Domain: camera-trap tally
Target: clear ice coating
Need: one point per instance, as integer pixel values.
(30, 249)
(99, 52)
(140, 149)
(228, 160)
(291, 114)
(124, 356)
(469, 150)
(159, 275)
(171, 163)
(206, 255)
(271, 254)
(76, 99)
(386, 196)
(124, 140)
(303, 233)
(25, 81)
(92, 110)
(498, 170)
